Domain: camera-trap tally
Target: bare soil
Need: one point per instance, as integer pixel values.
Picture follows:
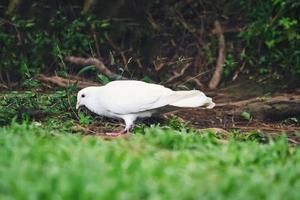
(227, 114)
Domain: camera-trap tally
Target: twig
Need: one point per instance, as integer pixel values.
(109, 40)
(139, 63)
(293, 141)
(239, 70)
(8, 78)
(216, 78)
(125, 62)
(195, 80)
(178, 74)
(160, 63)
(85, 130)
(3, 86)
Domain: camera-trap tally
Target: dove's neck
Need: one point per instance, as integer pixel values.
(94, 102)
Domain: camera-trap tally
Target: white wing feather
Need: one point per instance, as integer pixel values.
(125, 97)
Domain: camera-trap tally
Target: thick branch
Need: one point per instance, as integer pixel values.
(64, 82)
(91, 61)
(266, 100)
(275, 108)
(216, 78)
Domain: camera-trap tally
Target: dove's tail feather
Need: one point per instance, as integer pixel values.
(193, 98)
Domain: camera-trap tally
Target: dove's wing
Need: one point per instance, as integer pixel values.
(125, 97)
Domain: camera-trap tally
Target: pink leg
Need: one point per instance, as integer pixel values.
(115, 134)
(129, 121)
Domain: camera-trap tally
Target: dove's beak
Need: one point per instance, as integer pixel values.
(77, 105)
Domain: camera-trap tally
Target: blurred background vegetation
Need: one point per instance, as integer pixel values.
(171, 42)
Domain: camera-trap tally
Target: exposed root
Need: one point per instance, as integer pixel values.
(276, 108)
(240, 103)
(268, 100)
(64, 82)
(92, 61)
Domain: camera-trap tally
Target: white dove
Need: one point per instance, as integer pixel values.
(130, 99)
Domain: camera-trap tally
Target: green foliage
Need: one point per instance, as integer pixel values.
(32, 47)
(229, 65)
(273, 37)
(87, 68)
(84, 119)
(38, 42)
(246, 115)
(175, 124)
(162, 164)
(31, 105)
(103, 79)
(30, 83)
(38, 49)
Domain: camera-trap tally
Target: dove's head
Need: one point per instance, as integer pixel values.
(86, 96)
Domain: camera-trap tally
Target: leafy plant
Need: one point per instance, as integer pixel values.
(103, 79)
(246, 116)
(229, 65)
(84, 119)
(87, 68)
(32, 105)
(273, 37)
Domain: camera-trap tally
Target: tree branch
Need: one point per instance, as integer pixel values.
(92, 61)
(216, 78)
(178, 74)
(64, 82)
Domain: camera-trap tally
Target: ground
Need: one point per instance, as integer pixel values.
(50, 151)
(225, 117)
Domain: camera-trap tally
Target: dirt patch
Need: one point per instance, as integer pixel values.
(229, 118)
(222, 118)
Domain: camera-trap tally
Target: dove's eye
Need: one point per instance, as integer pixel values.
(82, 95)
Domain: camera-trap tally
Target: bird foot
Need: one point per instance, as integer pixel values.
(115, 134)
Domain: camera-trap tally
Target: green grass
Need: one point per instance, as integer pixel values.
(40, 163)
